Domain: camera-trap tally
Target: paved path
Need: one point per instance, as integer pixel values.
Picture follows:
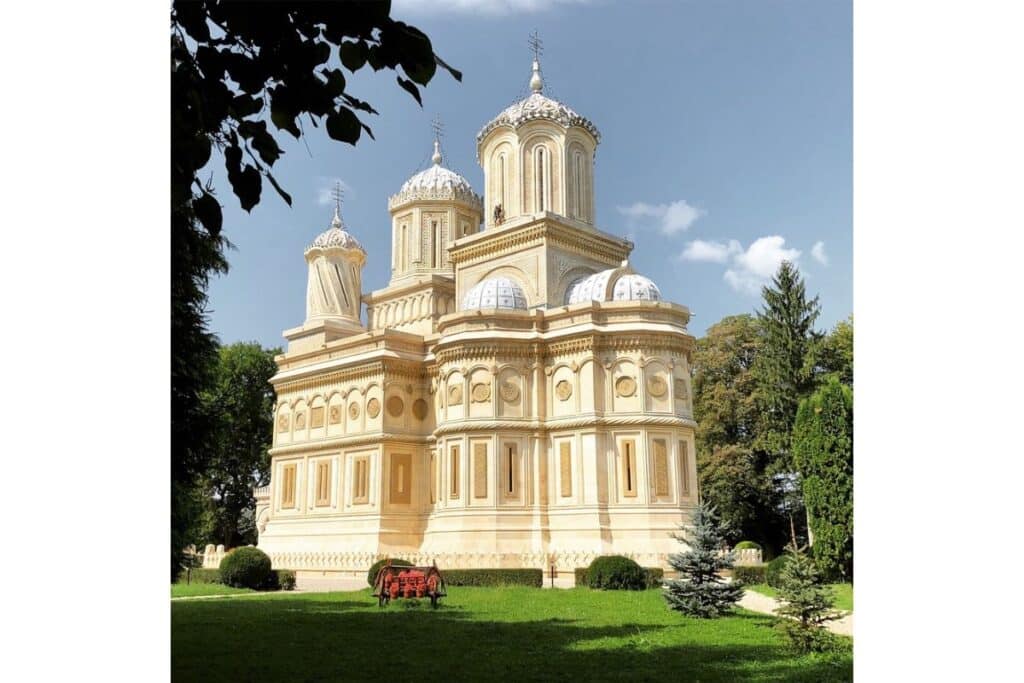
(756, 602)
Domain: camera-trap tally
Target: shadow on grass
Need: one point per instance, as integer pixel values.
(314, 639)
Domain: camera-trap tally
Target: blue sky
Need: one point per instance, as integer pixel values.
(726, 146)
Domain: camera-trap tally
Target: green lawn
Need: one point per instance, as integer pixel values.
(186, 590)
(521, 634)
(843, 593)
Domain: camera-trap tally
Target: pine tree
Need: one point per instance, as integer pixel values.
(823, 453)
(806, 603)
(700, 591)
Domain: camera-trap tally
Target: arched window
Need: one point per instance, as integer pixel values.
(502, 187)
(435, 256)
(402, 250)
(542, 195)
(577, 188)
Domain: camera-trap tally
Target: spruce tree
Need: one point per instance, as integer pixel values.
(823, 453)
(700, 591)
(806, 603)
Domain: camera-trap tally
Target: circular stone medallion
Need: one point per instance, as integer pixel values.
(625, 386)
(481, 392)
(657, 387)
(373, 407)
(509, 391)
(395, 406)
(419, 408)
(353, 410)
(563, 390)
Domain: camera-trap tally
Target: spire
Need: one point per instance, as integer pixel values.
(536, 82)
(339, 194)
(437, 127)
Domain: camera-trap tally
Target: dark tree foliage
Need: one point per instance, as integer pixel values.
(235, 68)
(700, 590)
(832, 355)
(823, 452)
(731, 483)
(241, 400)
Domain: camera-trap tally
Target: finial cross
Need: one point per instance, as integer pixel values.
(437, 127)
(339, 195)
(536, 45)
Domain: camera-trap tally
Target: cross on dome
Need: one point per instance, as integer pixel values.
(339, 195)
(536, 82)
(438, 129)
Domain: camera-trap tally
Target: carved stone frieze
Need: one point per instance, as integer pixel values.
(481, 392)
(563, 390)
(625, 386)
(373, 407)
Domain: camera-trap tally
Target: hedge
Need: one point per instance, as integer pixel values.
(493, 577)
(652, 576)
(747, 545)
(247, 567)
(280, 579)
(371, 575)
(200, 576)
(749, 574)
(773, 570)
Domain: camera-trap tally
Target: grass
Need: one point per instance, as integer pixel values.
(188, 590)
(520, 634)
(842, 591)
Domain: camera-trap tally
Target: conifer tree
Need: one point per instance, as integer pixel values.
(806, 603)
(700, 591)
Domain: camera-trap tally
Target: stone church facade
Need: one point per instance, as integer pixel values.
(517, 397)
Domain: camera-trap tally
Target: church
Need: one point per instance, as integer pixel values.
(516, 396)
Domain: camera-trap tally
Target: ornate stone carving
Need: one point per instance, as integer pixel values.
(660, 468)
(509, 391)
(373, 407)
(625, 386)
(657, 386)
(353, 410)
(282, 423)
(455, 395)
(681, 392)
(419, 408)
(316, 417)
(396, 406)
(300, 420)
(335, 415)
(563, 390)
(481, 392)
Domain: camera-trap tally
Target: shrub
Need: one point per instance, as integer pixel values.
(371, 575)
(652, 576)
(773, 571)
(807, 602)
(747, 545)
(285, 579)
(749, 574)
(494, 577)
(246, 568)
(615, 572)
(200, 576)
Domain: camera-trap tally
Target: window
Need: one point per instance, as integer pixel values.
(435, 254)
(501, 186)
(660, 467)
(361, 480)
(480, 470)
(541, 186)
(684, 466)
(511, 486)
(288, 486)
(629, 468)
(433, 477)
(401, 478)
(402, 249)
(323, 482)
(577, 189)
(565, 461)
(454, 457)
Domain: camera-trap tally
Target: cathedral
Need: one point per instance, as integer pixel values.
(516, 396)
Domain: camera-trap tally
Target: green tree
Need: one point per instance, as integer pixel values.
(724, 386)
(730, 482)
(806, 603)
(242, 401)
(700, 590)
(235, 66)
(832, 356)
(823, 453)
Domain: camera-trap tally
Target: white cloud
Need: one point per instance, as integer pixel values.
(494, 7)
(713, 252)
(754, 267)
(325, 190)
(670, 218)
(818, 252)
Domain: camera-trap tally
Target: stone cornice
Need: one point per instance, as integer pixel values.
(347, 442)
(558, 424)
(466, 199)
(411, 288)
(545, 228)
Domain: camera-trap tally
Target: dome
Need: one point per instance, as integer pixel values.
(336, 236)
(538, 106)
(437, 182)
(496, 292)
(628, 286)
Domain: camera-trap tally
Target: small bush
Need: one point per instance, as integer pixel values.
(200, 576)
(494, 577)
(615, 572)
(246, 568)
(285, 579)
(773, 571)
(747, 545)
(653, 576)
(749, 574)
(371, 575)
